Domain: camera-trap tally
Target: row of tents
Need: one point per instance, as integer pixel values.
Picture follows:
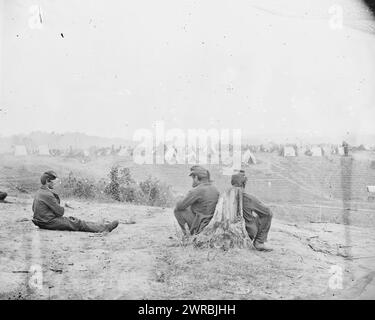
(171, 152)
(248, 153)
(172, 156)
(315, 151)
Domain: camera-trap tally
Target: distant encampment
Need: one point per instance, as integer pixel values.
(84, 147)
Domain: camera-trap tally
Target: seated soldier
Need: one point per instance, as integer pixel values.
(257, 226)
(48, 214)
(198, 207)
(3, 195)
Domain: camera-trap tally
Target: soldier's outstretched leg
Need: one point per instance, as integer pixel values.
(74, 224)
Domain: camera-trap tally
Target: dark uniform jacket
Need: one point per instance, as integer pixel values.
(202, 201)
(46, 206)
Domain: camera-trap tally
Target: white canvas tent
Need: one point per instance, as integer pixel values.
(248, 157)
(123, 152)
(371, 192)
(316, 152)
(20, 150)
(289, 152)
(302, 151)
(86, 153)
(340, 151)
(43, 150)
(267, 147)
(327, 151)
(366, 147)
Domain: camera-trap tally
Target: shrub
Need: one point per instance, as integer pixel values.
(132, 193)
(156, 193)
(79, 187)
(122, 186)
(125, 177)
(113, 188)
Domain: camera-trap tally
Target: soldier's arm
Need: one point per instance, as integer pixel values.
(191, 197)
(52, 203)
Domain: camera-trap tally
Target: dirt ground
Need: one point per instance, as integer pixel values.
(322, 234)
(145, 258)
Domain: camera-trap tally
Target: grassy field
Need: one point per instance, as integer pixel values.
(323, 222)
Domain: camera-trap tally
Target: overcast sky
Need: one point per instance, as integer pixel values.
(108, 68)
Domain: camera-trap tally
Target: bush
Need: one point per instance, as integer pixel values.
(151, 192)
(113, 188)
(79, 187)
(156, 193)
(131, 194)
(122, 186)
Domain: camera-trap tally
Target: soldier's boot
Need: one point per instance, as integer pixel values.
(110, 226)
(261, 246)
(3, 195)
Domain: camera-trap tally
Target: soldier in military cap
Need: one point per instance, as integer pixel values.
(198, 206)
(258, 225)
(48, 214)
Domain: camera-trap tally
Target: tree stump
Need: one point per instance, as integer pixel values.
(227, 227)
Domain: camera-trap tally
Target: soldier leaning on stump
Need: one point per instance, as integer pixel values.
(258, 225)
(198, 207)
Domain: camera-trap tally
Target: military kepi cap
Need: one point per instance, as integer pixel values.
(199, 172)
(239, 179)
(51, 174)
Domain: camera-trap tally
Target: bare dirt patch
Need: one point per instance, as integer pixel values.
(146, 259)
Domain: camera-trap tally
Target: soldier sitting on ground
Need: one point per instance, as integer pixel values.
(257, 226)
(198, 207)
(48, 214)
